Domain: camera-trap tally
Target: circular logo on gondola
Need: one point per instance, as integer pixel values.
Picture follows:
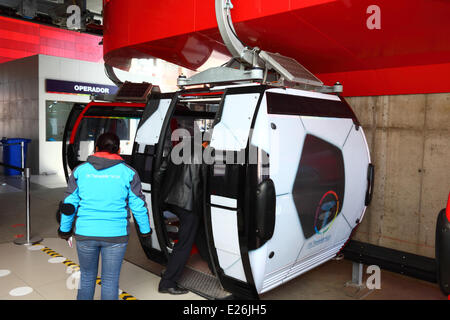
(326, 212)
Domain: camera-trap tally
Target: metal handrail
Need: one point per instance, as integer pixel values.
(29, 240)
(10, 144)
(12, 167)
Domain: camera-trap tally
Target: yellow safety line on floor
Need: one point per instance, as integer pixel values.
(124, 295)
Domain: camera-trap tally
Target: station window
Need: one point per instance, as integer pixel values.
(57, 113)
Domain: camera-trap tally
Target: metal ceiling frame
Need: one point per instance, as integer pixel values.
(253, 64)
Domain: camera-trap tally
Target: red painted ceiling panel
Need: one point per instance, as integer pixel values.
(19, 39)
(390, 81)
(329, 37)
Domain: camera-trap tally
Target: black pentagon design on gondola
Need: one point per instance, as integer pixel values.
(318, 189)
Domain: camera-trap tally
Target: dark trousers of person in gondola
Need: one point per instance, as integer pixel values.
(180, 253)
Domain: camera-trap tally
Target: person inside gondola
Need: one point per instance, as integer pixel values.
(181, 194)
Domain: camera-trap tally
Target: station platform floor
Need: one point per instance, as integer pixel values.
(46, 271)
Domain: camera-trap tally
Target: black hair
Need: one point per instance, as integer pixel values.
(108, 142)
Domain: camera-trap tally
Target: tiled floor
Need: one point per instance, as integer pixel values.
(55, 281)
(49, 181)
(139, 276)
(31, 268)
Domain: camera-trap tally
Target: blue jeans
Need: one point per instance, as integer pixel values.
(112, 257)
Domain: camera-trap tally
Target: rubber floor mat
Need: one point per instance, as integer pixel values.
(203, 284)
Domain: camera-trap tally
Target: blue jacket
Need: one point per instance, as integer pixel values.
(103, 189)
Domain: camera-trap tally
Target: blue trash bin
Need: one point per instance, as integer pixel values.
(12, 155)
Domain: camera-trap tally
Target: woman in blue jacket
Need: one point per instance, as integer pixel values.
(99, 196)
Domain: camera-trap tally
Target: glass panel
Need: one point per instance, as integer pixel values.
(233, 129)
(93, 126)
(57, 113)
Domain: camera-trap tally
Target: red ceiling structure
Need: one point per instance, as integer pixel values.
(410, 53)
(20, 39)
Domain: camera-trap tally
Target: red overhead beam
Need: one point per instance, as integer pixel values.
(410, 53)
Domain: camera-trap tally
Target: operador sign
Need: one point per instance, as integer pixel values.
(91, 89)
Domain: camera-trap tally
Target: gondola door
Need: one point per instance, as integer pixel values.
(143, 160)
(231, 186)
